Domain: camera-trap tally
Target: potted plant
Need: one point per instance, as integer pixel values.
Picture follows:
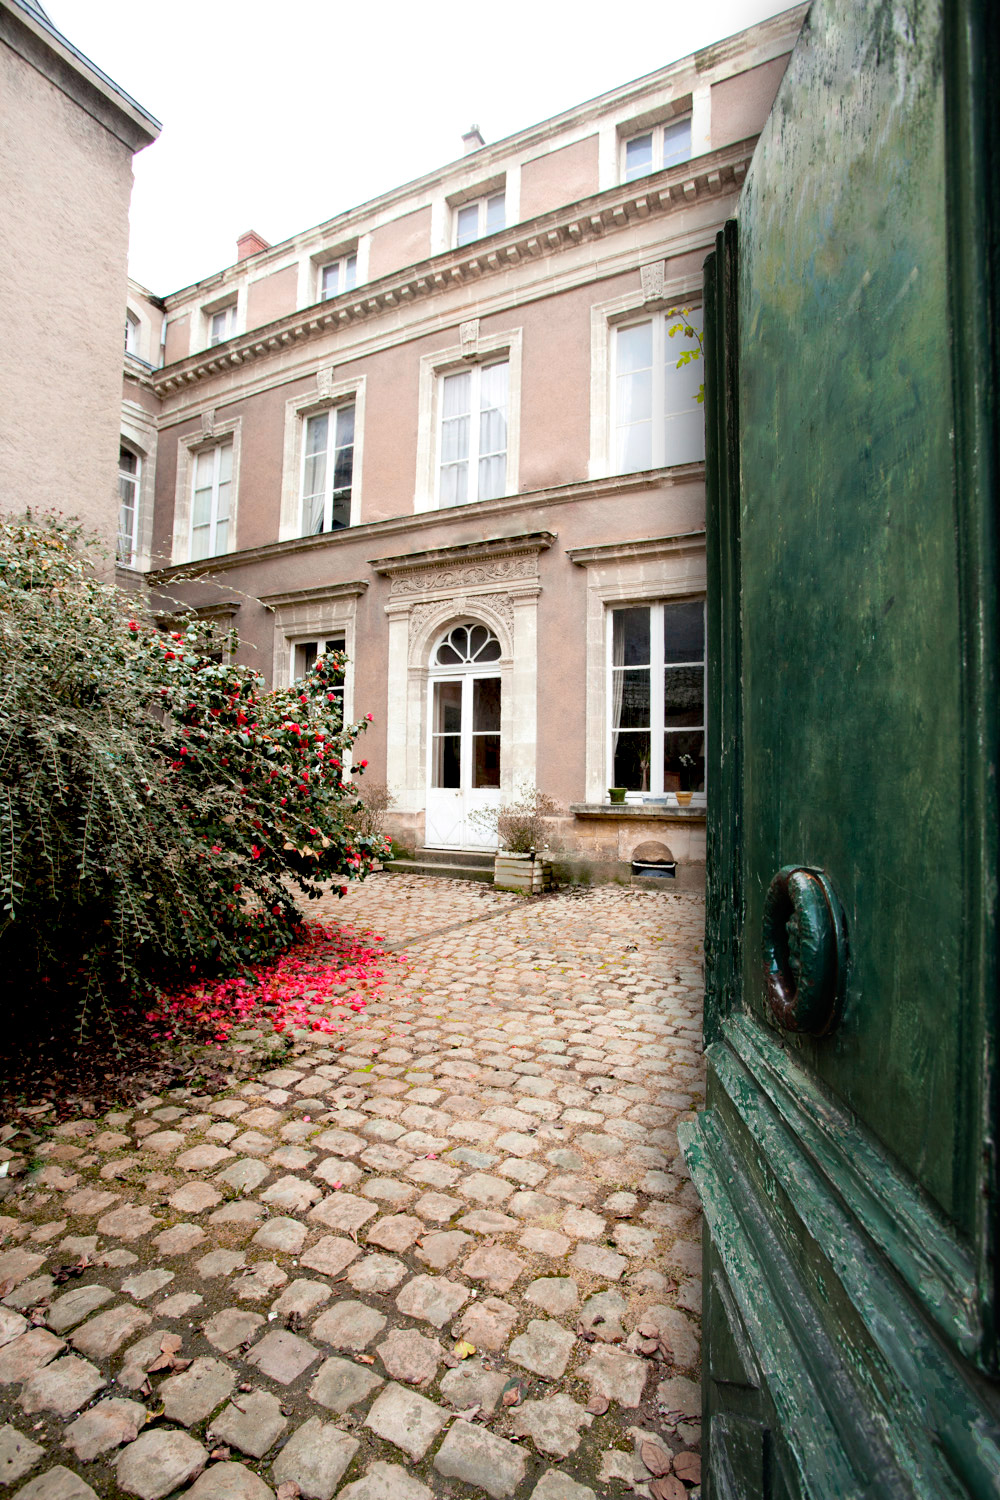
(616, 794)
(522, 828)
(687, 764)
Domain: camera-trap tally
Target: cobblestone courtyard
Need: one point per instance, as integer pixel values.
(452, 1251)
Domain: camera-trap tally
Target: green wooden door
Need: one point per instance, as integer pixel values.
(847, 1155)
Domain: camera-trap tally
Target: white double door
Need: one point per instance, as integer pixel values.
(464, 761)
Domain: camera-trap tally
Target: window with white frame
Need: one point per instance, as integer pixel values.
(656, 697)
(131, 333)
(652, 150)
(337, 276)
(473, 434)
(480, 217)
(657, 418)
(327, 470)
(221, 325)
(211, 501)
(305, 655)
(129, 466)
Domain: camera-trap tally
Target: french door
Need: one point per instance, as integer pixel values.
(464, 760)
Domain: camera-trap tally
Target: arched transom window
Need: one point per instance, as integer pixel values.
(467, 646)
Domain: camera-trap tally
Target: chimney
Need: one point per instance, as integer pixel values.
(250, 243)
(472, 140)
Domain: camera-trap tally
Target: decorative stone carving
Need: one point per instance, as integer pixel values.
(471, 604)
(324, 380)
(465, 575)
(652, 278)
(500, 604)
(208, 423)
(468, 332)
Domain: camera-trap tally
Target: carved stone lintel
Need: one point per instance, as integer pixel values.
(652, 278)
(471, 604)
(324, 380)
(465, 575)
(208, 422)
(468, 332)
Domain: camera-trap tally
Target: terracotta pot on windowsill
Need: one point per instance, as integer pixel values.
(683, 798)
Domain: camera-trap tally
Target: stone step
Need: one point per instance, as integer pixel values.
(433, 867)
(477, 857)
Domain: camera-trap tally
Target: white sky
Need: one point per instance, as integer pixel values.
(276, 117)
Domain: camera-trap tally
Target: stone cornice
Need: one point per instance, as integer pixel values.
(613, 487)
(650, 547)
(591, 218)
(286, 600)
(437, 557)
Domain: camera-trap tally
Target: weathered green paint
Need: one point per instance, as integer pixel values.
(849, 1178)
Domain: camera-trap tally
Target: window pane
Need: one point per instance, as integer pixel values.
(340, 514)
(684, 762)
(676, 142)
(630, 637)
(454, 484)
(350, 272)
(635, 347)
(447, 707)
(330, 280)
(225, 463)
(312, 515)
(632, 699)
(454, 439)
(345, 425)
(631, 761)
(467, 224)
(318, 433)
(202, 508)
(222, 502)
(199, 542)
(314, 475)
(456, 395)
(485, 704)
(492, 477)
(638, 156)
(221, 537)
(683, 415)
(495, 213)
(448, 761)
(343, 470)
(305, 658)
(127, 461)
(684, 695)
(486, 760)
(684, 632)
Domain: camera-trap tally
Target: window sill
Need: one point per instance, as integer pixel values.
(658, 812)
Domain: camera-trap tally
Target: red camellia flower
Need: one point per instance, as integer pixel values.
(132, 626)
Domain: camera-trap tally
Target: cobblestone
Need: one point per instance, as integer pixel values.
(430, 1239)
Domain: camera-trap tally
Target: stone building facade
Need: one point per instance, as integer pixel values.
(448, 431)
(66, 150)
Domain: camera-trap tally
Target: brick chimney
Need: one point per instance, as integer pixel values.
(250, 243)
(472, 140)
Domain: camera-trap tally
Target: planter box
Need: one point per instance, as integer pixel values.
(519, 872)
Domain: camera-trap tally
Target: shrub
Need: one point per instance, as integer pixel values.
(522, 824)
(156, 806)
(376, 799)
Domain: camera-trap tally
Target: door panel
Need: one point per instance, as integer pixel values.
(846, 1157)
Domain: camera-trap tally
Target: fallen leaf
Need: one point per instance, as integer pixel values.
(657, 1460)
(366, 1359)
(463, 1349)
(687, 1466)
(598, 1405)
(511, 1392)
(667, 1488)
(171, 1343)
(469, 1414)
(220, 1453)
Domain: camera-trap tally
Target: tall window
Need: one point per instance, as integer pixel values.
(328, 471)
(664, 146)
(304, 658)
(473, 442)
(658, 419)
(656, 697)
(482, 216)
(211, 501)
(337, 276)
(221, 325)
(128, 506)
(131, 334)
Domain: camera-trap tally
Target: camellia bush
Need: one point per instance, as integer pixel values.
(159, 807)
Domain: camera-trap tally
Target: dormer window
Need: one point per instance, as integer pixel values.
(337, 276)
(480, 217)
(221, 325)
(662, 146)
